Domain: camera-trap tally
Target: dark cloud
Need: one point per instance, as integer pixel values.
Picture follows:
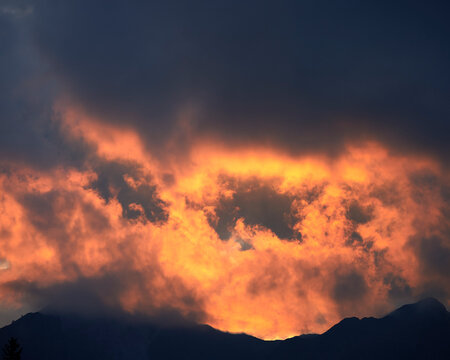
(245, 244)
(350, 286)
(320, 319)
(433, 289)
(43, 209)
(306, 75)
(225, 218)
(434, 254)
(431, 243)
(388, 194)
(99, 296)
(424, 180)
(136, 199)
(29, 126)
(359, 214)
(399, 289)
(86, 296)
(354, 238)
(256, 203)
(48, 212)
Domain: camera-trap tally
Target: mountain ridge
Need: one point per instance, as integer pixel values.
(414, 331)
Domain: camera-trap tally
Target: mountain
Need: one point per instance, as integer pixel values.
(415, 331)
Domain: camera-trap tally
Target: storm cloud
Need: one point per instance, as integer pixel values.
(303, 75)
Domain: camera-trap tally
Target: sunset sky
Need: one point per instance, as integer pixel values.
(260, 167)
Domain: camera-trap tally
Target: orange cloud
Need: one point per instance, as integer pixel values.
(248, 239)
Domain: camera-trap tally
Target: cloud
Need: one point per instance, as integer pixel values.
(99, 297)
(434, 254)
(399, 289)
(31, 127)
(127, 238)
(354, 239)
(219, 71)
(135, 139)
(349, 286)
(302, 84)
(257, 204)
(359, 214)
(245, 245)
(15, 10)
(4, 264)
(137, 196)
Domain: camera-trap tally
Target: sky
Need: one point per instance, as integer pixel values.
(261, 167)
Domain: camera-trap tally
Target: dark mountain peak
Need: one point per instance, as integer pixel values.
(344, 325)
(427, 308)
(31, 319)
(414, 331)
(28, 317)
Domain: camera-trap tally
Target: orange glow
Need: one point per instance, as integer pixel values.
(276, 288)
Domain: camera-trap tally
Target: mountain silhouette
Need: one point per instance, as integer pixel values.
(415, 331)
